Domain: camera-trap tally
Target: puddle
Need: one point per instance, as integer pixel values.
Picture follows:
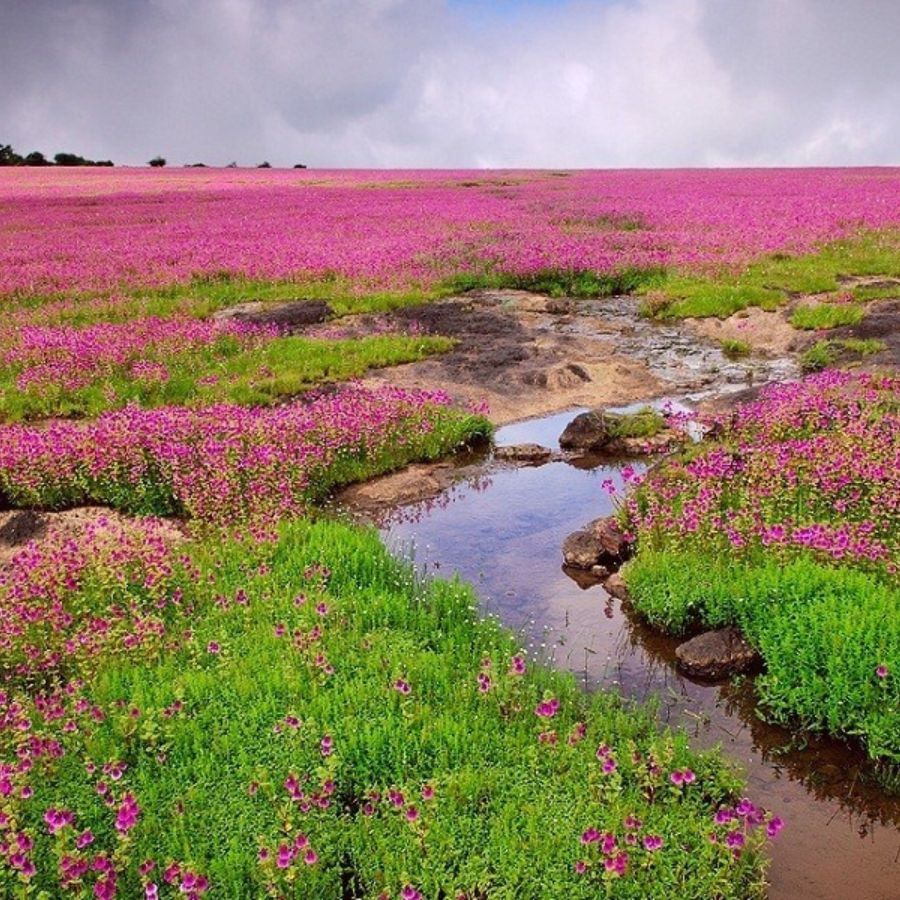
(502, 531)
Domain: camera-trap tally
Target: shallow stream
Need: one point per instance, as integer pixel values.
(502, 530)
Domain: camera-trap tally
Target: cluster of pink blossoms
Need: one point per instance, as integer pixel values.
(44, 625)
(220, 464)
(38, 733)
(812, 466)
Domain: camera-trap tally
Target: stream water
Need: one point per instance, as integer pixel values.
(502, 530)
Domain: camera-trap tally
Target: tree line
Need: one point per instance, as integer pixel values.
(9, 157)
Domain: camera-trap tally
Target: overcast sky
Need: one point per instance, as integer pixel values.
(453, 83)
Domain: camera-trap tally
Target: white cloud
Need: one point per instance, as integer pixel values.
(418, 83)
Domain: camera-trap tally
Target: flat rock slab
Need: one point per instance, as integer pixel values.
(716, 654)
(285, 314)
(531, 454)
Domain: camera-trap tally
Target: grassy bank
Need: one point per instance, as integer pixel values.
(770, 282)
(225, 464)
(829, 636)
(786, 526)
(309, 721)
(223, 371)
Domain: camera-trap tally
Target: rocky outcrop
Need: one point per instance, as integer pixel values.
(716, 654)
(289, 314)
(558, 378)
(616, 547)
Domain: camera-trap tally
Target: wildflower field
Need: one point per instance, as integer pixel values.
(261, 701)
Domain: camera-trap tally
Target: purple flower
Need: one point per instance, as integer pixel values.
(735, 839)
(547, 709)
(652, 843)
(882, 671)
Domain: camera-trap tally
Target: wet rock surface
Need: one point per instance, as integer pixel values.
(616, 548)
(615, 585)
(289, 315)
(582, 550)
(527, 354)
(601, 545)
(716, 654)
(530, 454)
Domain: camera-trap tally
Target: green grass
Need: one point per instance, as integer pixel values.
(645, 423)
(827, 315)
(223, 371)
(508, 810)
(558, 282)
(204, 295)
(821, 630)
(769, 283)
(735, 349)
(826, 353)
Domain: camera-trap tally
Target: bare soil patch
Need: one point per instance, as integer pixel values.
(514, 354)
(767, 332)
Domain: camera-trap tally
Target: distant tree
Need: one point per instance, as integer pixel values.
(157, 162)
(8, 156)
(36, 158)
(264, 165)
(195, 165)
(103, 162)
(231, 165)
(71, 159)
(299, 166)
